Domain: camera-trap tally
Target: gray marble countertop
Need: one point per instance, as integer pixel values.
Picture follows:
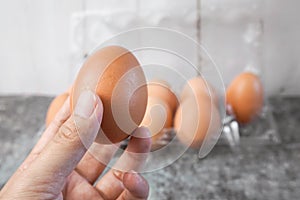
(264, 171)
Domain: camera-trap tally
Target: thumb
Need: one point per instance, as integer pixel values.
(74, 137)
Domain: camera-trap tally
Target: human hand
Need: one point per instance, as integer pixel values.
(60, 167)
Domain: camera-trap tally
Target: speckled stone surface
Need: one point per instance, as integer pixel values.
(20, 120)
(253, 171)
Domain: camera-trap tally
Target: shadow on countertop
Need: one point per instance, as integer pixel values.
(252, 172)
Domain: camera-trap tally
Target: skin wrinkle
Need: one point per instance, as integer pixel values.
(79, 184)
(67, 133)
(40, 184)
(35, 191)
(45, 160)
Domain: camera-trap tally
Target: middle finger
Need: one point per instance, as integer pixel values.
(95, 160)
(110, 186)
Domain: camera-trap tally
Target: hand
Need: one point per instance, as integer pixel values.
(60, 167)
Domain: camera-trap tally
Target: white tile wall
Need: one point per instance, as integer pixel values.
(34, 46)
(282, 47)
(41, 42)
(232, 34)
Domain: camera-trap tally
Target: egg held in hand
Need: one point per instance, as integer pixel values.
(245, 96)
(55, 106)
(115, 75)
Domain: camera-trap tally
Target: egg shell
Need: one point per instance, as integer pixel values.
(196, 118)
(161, 90)
(158, 116)
(115, 75)
(161, 107)
(198, 86)
(55, 106)
(245, 95)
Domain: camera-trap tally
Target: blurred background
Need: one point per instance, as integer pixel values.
(43, 41)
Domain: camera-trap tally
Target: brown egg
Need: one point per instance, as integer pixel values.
(196, 118)
(55, 106)
(245, 95)
(158, 116)
(161, 90)
(198, 86)
(116, 76)
(162, 104)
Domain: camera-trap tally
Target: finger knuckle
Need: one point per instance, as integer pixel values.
(68, 132)
(58, 121)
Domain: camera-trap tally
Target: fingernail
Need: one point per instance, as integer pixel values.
(118, 174)
(134, 173)
(99, 111)
(85, 104)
